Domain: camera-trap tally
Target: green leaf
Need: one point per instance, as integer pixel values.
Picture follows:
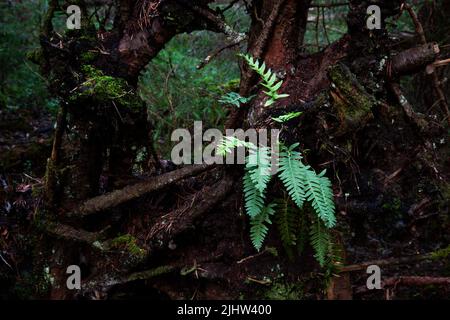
(234, 99)
(258, 226)
(259, 167)
(319, 192)
(228, 143)
(269, 79)
(254, 200)
(292, 174)
(287, 117)
(320, 241)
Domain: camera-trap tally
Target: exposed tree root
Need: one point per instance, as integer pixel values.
(106, 282)
(67, 232)
(182, 219)
(128, 193)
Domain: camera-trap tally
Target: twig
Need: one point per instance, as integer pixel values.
(213, 55)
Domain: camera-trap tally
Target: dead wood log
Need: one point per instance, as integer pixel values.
(128, 193)
(413, 60)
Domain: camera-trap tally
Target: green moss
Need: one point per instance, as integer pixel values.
(129, 243)
(87, 57)
(352, 101)
(36, 56)
(441, 254)
(103, 88)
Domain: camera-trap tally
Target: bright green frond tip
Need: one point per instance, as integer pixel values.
(228, 143)
(287, 117)
(269, 79)
(234, 99)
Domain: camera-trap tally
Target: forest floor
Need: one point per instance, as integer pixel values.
(25, 144)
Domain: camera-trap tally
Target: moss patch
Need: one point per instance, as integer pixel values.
(353, 103)
(129, 243)
(103, 88)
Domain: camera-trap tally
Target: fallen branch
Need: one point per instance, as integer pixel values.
(386, 262)
(69, 233)
(436, 255)
(106, 282)
(135, 191)
(415, 281)
(174, 223)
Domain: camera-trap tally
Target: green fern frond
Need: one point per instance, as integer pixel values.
(269, 79)
(234, 99)
(319, 192)
(258, 166)
(287, 117)
(286, 219)
(254, 200)
(320, 241)
(292, 173)
(258, 226)
(228, 143)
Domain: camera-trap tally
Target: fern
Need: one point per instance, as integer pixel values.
(319, 193)
(292, 173)
(234, 99)
(285, 219)
(258, 226)
(269, 79)
(254, 199)
(287, 117)
(258, 166)
(302, 183)
(227, 144)
(320, 241)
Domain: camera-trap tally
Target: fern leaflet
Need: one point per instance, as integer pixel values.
(269, 79)
(258, 226)
(228, 143)
(320, 241)
(258, 166)
(254, 200)
(292, 173)
(286, 222)
(319, 193)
